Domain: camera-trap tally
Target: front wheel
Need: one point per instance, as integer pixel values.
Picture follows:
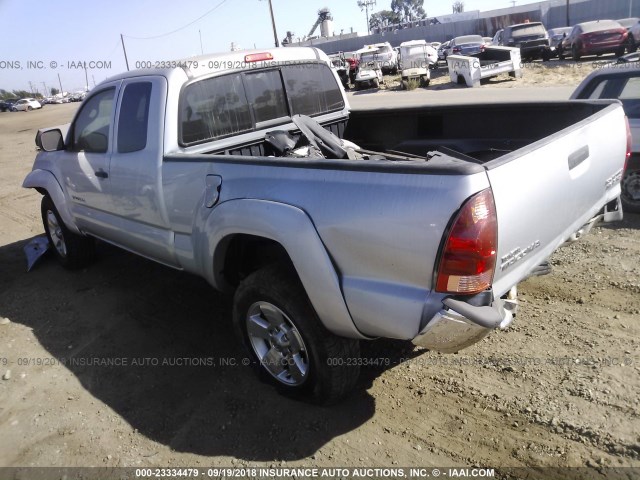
(289, 346)
(631, 44)
(631, 191)
(72, 250)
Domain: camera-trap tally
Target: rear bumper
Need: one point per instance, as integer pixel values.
(603, 48)
(460, 325)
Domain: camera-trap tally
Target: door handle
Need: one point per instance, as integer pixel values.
(577, 157)
(101, 174)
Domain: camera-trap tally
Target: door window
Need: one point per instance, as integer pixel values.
(91, 129)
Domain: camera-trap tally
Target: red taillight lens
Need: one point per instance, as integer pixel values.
(468, 260)
(629, 143)
(457, 50)
(258, 57)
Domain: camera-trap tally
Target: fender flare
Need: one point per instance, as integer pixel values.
(293, 229)
(45, 180)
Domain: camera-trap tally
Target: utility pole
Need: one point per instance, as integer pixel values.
(568, 23)
(273, 24)
(201, 50)
(60, 81)
(46, 91)
(125, 52)
(630, 6)
(365, 4)
(94, 80)
(86, 79)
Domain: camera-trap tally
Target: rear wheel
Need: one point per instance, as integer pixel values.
(72, 250)
(376, 83)
(575, 53)
(631, 191)
(288, 344)
(404, 85)
(619, 52)
(29, 108)
(424, 81)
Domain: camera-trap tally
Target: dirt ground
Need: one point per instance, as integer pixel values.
(558, 388)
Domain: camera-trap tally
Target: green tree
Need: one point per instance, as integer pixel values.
(22, 94)
(54, 91)
(408, 10)
(458, 7)
(383, 18)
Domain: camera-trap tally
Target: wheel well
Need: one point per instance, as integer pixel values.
(244, 254)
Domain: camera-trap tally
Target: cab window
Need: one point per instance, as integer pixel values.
(134, 117)
(266, 95)
(91, 129)
(214, 108)
(312, 89)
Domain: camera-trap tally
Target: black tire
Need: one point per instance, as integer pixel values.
(78, 250)
(574, 53)
(424, 82)
(631, 191)
(546, 56)
(376, 83)
(330, 371)
(29, 108)
(404, 85)
(619, 52)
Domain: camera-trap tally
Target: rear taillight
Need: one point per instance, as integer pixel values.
(468, 260)
(457, 50)
(629, 143)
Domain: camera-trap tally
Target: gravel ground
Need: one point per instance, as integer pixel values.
(558, 388)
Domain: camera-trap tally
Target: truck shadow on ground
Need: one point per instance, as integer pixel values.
(176, 370)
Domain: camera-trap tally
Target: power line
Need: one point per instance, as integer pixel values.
(181, 28)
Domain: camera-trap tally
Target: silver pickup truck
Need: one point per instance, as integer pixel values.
(329, 227)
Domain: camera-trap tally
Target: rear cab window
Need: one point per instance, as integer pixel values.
(240, 102)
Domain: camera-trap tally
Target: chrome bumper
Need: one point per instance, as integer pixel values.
(450, 331)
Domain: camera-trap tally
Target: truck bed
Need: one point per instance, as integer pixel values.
(481, 133)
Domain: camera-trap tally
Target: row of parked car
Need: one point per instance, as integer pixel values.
(536, 42)
(28, 104)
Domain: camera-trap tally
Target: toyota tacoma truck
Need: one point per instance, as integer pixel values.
(330, 227)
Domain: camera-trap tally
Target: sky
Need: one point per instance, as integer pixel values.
(40, 40)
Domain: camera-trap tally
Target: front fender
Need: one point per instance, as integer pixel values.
(291, 228)
(45, 180)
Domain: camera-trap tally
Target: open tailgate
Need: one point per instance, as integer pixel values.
(546, 192)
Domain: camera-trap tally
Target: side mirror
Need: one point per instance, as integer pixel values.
(50, 140)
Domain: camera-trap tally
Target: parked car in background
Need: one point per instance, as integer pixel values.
(487, 41)
(467, 45)
(442, 51)
(594, 38)
(386, 56)
(633, 32)
(25, 105)
(497, 38)
(435, 45)
(556, 35)
(530, 37)
(6, 105)
(623, 84)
